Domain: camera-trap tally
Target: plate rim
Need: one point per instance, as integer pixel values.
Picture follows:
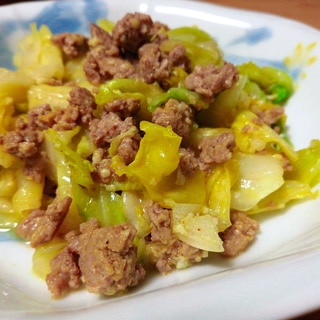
(293, 257)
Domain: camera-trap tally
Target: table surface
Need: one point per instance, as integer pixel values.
(306, 11)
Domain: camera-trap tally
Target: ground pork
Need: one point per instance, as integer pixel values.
(104, 130)
(156, 65)
(210, 80)
(189, 163)
(108, 258)
(23, 142)
(40, 226)
(123, 107)
(103, 259)
(238, 236)
(128, 148)
(35, 167)
(42, 117)
(102, 47)
(178, 58)
(176, 114)
(103, 173)
(216, 149)
(161, 222)
(72, 45)
(101, 39)
(82, 100)
(79, 111)
(132, 31)
(66, 119)
(132, 50)
(100, 68)
(65, 274)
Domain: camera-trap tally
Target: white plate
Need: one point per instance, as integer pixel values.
(279, 276)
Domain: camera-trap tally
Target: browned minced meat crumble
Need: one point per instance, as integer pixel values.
(104, 259)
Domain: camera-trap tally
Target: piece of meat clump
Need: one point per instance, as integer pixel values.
(103, 61)
(100, 69)
(156, 65)
(103, 173)
(117, 120)
(176, 114)
(161, 222)
(189, 163)
(163, 249)
(210, 80)
(105, 256)
(42, 117)
(116, 55)
(23, 142)
(83, 101)
(129, 147)
(216, 149)
(79, 111)
(65, 274)
(73, 45)
(108, 258)
(132, 31)
(238, 236)
(34, 167)
(104, 130)
(123, 107)
(40, 226)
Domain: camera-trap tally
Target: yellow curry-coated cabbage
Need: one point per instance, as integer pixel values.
(6, 114)
(38, 58)
(155, 168)
(307, 168)
(181, 189)
(253, 136)
(14, 85)
(219, 191)
(157, 157)
(201, 48)
(28, 195)
(55, 96)
(7, 160)
(62, 163)
(133, 205)
(8, 182)
(289, 191)
(196, 226)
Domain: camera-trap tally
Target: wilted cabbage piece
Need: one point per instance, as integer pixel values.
(38, 58)
(197, 226)
(258, 176)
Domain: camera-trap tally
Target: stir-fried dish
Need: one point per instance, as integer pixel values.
(139, 147)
